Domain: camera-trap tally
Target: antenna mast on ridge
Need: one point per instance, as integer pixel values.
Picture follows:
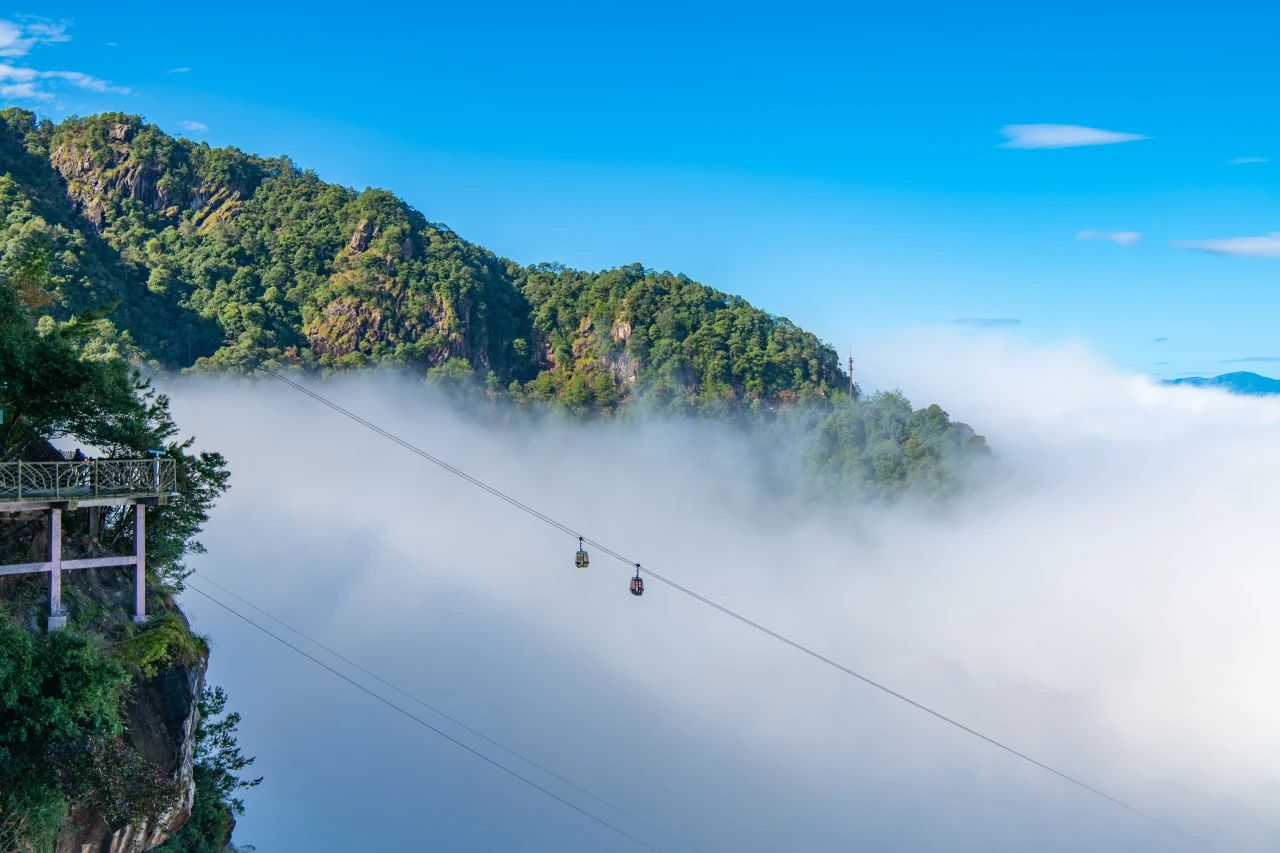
(853, 393)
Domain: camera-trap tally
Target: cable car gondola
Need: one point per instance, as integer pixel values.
(637, 583)
(581, 560)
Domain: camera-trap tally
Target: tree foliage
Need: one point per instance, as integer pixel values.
(881, 446)
(218, 765)
(220, 260)
(49, 388)
(60, 737)
(228, 260)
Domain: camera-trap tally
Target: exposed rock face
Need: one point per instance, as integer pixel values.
(363, 234)
(622, 365)
(161, 717)
(621, 331)
(347, 325)
(95, 175)
(160, 713)
(88, 180)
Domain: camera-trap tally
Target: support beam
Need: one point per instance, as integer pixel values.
(25, 568)
(57, 616)
(98, 563)
(140, 567)
(67, 565)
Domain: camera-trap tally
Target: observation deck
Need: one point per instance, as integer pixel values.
(55, 487)
(91, 482)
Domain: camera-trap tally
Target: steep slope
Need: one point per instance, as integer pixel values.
(226, 260)
(213, 259)
(100, 730)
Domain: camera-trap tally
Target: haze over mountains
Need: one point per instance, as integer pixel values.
(1237, 382)
(989, 609)
(574, 282)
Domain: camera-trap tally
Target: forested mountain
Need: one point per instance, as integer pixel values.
(187, 256)
(227, 260)
(123, 247)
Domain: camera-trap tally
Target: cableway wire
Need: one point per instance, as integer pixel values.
(632, 564)
(415, 718)
(459, 723)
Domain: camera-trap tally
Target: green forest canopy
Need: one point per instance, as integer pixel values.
(214, 259)
(122, 246)
(218, 255)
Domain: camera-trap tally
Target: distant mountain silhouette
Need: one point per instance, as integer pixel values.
(1239, 382)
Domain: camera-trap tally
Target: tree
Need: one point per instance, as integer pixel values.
(218, 764)
(60, 738)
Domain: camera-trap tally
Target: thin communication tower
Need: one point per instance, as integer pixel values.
(853, 393)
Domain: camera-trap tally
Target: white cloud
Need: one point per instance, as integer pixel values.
(988, 322)
(16, 73)
(82, 81)
(23, 91)
(1126, 542)
(1246, 161)
(193, 126)
(181, 69)
(18, 81)
(1266, 246)
(17, 39)
(1120, 238)
(1062, 136)
(21, 82)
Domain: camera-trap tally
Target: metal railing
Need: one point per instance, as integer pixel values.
(88, 479)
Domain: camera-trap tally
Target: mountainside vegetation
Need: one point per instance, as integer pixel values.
(231, 260)
(125, 251)
(186, 256)
(77, 722)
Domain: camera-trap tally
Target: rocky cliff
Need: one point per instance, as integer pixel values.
(215, 257)
(160, 719)
(160, 710)
(106, 736)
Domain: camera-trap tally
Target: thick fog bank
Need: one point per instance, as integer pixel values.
(1105, 603)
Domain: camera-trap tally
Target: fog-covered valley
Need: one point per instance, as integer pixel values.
(1101, 597)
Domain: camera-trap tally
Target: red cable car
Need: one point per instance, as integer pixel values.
(637, 583)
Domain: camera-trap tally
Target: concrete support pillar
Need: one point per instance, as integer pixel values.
(95, 522)
(140, 566)
(57, 616)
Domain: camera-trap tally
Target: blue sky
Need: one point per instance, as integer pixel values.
(848, 167)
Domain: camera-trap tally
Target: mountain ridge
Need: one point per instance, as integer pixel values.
(1237, 382)
(226, 260)
(168, 252)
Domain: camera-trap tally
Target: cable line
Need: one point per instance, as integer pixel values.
(477, 753)
(632, 564)
(457, 472)
(454, 720)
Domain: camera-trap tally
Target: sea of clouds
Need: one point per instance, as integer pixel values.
(1104, 599)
